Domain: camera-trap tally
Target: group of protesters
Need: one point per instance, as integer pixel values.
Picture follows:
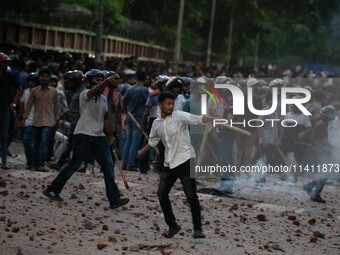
(73, 116)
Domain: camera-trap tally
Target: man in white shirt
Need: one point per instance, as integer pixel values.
(171, 127)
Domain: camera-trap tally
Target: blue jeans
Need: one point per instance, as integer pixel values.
(4, 125)
(83, 146)
(41, 137)
(133, 140)
(27, 139)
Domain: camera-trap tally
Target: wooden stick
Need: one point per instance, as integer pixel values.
(139, 127)
(236, 129)
(304, 144)
(120, 169)
(203, 144)
(282, 155)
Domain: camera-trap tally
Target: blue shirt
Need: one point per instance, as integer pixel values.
(135, 99)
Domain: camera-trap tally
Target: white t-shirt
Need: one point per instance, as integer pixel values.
(92, 113)
(174, 133)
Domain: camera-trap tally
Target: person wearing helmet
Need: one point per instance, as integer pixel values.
(27, 136)
(187, 81)
(278, 83)
(175, 85)
(9, 97)
(320, 152)
(90, 139)
(74, 82)
(222, 79)
(151, 113)
(161, 81)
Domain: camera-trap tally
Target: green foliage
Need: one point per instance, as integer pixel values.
(288, 31)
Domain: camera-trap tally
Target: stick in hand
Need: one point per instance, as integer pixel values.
(139, 127)
(120, 169)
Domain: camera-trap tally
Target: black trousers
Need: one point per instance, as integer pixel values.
(167, 179)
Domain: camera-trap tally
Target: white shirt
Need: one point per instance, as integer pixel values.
(300, 118)
(92, 113)
(24, 99)
(334, 132)
(179, 101)
(174, 133)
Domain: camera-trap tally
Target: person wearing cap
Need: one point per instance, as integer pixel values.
(9, 96)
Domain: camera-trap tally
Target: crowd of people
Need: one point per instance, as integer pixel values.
(73, 114)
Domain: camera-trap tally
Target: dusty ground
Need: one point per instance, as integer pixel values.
(272, 219)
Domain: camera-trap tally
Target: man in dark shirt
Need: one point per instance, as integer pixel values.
(9, 95)
(134, 102)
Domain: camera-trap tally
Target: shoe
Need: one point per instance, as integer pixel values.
(82, 170)
(317, 198)
(226, 186)
(11, 155)
(54, 166)
(40, 169)
(52, 195)
(29, 167)
(198, 234)
(309, 189)
(119, 203)
(261, 180)
(291, 180)
(133, 169)
(5, 166)
(173, 231)
(89, 169)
